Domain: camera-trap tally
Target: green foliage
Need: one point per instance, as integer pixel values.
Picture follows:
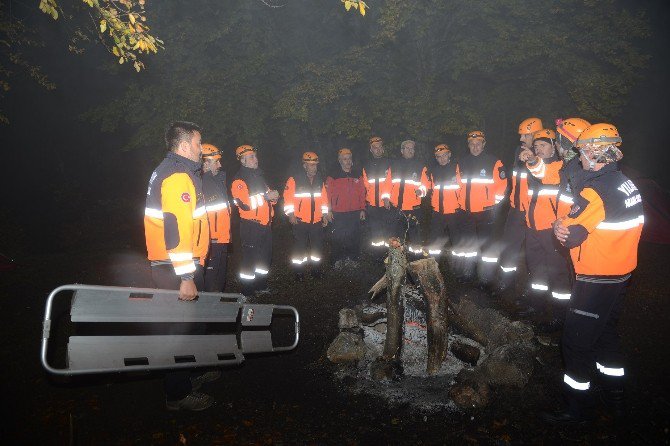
(15, 39)
(120, 26)
(286, 77)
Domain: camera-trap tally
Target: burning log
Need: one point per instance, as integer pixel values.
(429, 277)
(432, 284)
(396, 270)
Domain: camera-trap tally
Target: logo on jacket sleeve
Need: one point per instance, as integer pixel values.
(482, 173)
(186, 197)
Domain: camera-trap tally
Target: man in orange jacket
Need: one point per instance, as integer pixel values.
(602, 232)
(306, 205)
(218, 213)
(515, 224)
(177, 238)
(409, 184)
(381, 218)
(547, 260)
(255, 202)
(444, 179)
(483, 186)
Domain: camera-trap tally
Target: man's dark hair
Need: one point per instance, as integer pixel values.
(179, 131)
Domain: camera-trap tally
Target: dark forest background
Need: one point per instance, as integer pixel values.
(309, 76)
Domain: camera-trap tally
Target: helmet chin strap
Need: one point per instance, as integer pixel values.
(592, 163)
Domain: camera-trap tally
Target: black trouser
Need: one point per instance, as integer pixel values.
(444, 229)
(407, 229)
(512, 239)
(549, 270)
(346, 235)
(256, 242)
(216, 267)
(307, 246)
(382, 225)
(475, 245)
(178, 383)
(590, 340)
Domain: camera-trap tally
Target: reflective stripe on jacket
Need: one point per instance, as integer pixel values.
(218, 206)
(609, 209)
(446, 186)
(483, 182)
(175, 220)
(377, 180)
(407, 177)
(546, 202)
(248, 190)
(307, 201)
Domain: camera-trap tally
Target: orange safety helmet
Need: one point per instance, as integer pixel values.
(375, 139)
(343, 151)
(310, 157)
(571, 128)
(599, 135)
(243, 150)
(210, 151)
(476, 134)
(530, 125)
(442, 148)
(545, 134)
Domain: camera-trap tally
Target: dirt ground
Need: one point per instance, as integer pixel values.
(292, 398)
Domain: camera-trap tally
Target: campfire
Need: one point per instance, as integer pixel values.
(422, 347)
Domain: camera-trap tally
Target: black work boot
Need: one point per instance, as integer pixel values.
(577, 410)
(613, 397)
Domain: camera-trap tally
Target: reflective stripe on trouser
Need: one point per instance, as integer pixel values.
(307, 246)
(381, 224)
(345, 231)
(216, 266)
(548, 269)
(256, 244)
(512, 240)
(476, 233)
(589, 333)
(443, 231)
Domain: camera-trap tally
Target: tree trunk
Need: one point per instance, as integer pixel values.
(432, 284)
(396, 269)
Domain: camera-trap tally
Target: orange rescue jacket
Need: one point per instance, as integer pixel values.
(605, 224)
(175, 220)
(307, 201)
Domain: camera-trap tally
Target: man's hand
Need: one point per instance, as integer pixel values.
(293, 219)
(327, 219)
(526, 155)
(362, 216)
(187, 290)
(387, 203)
(272, 195)
(561, 232)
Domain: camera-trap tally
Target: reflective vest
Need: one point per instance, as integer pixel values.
(518, 197)
(377, 179)
(408, 176)
(218, 206)
(483, 182)
(249, 195)
(445, 184)
(546, 202)
(175, 221)
(307, 201)
(610, 209)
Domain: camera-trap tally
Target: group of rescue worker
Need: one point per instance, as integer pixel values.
(577, 215)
